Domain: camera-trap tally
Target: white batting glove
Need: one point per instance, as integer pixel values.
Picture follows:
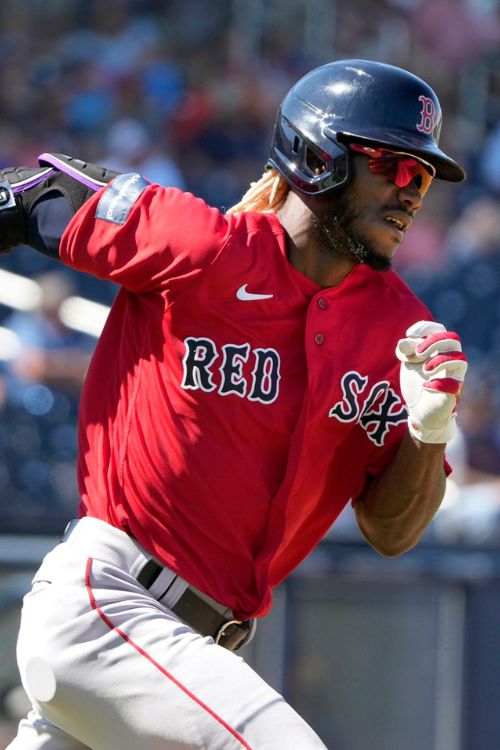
(433, 368)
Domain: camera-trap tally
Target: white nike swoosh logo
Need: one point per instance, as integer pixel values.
(245, 296)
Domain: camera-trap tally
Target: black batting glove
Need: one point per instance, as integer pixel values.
(22, 187)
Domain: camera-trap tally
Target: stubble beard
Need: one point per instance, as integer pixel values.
(338, 239)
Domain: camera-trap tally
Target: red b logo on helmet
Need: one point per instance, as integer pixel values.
(427, 114)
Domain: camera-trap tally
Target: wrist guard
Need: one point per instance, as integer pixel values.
(22, 187)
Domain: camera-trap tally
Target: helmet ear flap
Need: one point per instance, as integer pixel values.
(313, 162)
(307, 166)
(310, 157)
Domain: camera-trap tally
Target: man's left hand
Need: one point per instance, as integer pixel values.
(433, 368)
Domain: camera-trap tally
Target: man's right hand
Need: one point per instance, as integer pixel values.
(22, 187)
(13, 219)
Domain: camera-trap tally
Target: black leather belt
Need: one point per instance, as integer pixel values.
(192, 609)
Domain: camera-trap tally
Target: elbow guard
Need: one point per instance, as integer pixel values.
(22, 187)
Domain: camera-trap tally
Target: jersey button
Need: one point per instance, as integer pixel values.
(319, 339)
(322, 303)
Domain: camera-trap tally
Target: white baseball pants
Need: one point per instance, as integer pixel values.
(108, 667)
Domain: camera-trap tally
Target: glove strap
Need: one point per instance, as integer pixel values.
(440, 435)
(74, 178)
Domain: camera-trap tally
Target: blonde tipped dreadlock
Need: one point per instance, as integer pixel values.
(266, 195)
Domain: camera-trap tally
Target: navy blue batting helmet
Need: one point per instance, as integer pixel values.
(355, 100)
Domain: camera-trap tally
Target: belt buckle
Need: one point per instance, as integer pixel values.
(233, 634)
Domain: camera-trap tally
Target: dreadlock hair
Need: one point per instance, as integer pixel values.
(267, 195)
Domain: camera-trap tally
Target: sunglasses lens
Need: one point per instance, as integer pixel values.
(407, 170)
(401, 170)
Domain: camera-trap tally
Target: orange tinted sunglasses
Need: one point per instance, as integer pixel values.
(398, 167)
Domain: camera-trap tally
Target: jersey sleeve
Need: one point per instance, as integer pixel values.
(139, 236)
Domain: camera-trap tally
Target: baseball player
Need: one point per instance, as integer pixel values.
(258, 371)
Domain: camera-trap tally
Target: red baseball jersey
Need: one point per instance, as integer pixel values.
(233, 407)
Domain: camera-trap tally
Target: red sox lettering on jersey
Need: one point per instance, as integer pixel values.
(201, 354)
(376, 409)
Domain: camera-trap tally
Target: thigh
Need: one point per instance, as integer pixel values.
(106, 663)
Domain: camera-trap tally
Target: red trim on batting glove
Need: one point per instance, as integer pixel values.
(451, 386)
(433, 337)
(444, 358)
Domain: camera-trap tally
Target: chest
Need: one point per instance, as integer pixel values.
(253, 350)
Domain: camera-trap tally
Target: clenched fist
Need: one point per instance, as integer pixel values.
(433, 368)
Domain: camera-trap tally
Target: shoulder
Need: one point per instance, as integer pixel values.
(185, 207)
(385, 301)
(254, 222)
(392, 292)
(405, 298)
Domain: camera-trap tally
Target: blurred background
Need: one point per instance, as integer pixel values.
(377, 654)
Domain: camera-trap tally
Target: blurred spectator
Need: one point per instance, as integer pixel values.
(480, 423)
(490, 161)
(470, 512)
(455, 33)
(51, 354)
(38, 427)
(475, 232)
(132, 148)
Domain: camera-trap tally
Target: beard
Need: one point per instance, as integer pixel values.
(335, 233)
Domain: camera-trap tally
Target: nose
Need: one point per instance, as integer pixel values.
(411, 196)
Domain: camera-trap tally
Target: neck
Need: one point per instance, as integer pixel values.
(319, 267)
(304, 249)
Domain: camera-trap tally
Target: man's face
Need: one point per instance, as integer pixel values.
(366, 221)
